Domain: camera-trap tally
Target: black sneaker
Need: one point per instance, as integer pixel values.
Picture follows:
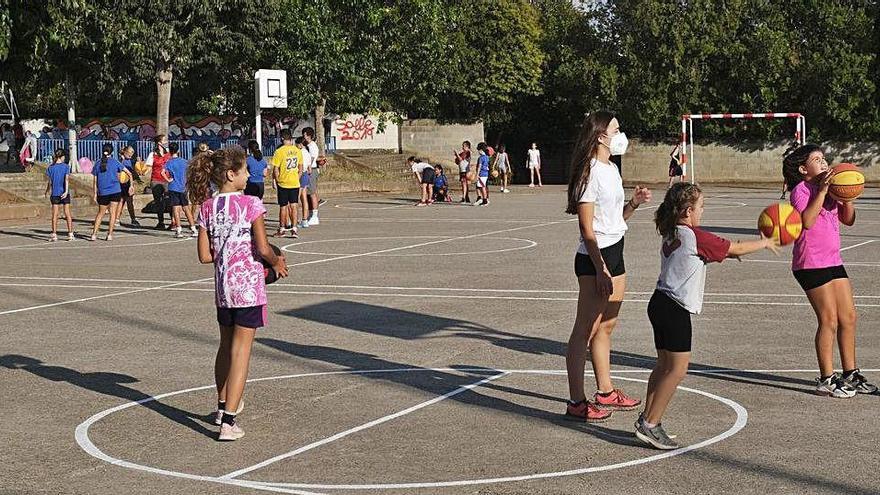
(858, 382)
(159, 226)
(834, 386)
(135, 223)
(655, 436)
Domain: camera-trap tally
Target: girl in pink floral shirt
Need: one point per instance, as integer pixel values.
(232, 236)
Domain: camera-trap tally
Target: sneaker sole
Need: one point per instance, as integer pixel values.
(574, 417)
(650, 441)
(230, 438)
(617, 408)
(833, 395)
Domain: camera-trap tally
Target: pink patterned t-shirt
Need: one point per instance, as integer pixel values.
(238, 273)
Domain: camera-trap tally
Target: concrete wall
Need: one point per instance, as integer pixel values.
(434, 142)
(361, 132)
(745, 162)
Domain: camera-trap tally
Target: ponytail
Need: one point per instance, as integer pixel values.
(254, 148)
(205, 169)
(106, 151)
(678, 199)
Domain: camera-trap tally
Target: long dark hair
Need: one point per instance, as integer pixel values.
(157, 144)
(595, 124)
(59, 153)
(106, 151)
(793, 161)
(254, 148)
(206, 168)
(679, 198)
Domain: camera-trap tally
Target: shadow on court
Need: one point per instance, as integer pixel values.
(408, 325)
(439, 383)
(107, 383)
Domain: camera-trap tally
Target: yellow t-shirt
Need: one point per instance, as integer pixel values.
(288, 160)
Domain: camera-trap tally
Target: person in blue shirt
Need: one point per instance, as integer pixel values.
(58, 189)
(482, 175)
(441, 185)
(257, 168)
(175, 174)
(128, 160)
(107, 191)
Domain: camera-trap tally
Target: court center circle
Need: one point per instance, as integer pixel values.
(292, 248)
(85, 443)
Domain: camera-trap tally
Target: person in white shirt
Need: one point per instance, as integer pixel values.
(424, 174)
(534, 165)
(313, 166)
(597, 197)
(304, 182)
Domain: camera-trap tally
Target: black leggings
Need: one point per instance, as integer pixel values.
(159, 199)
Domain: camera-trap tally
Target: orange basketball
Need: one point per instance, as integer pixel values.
(780, 221)
(848, 182)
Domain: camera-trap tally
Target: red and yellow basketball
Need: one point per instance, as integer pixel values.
(848, 182)
(780, 221)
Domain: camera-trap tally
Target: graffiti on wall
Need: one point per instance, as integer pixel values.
(355, 128)
(179, 128)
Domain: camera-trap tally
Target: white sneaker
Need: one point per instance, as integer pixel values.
(195, 232)
(53, 237)
(505, 190)
(531, 185)
(313, 219)
(179, 233)
(70, 236)
(834, 386)
(229, 433)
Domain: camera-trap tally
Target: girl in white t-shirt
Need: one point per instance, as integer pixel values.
(596, 196)
(534, 165)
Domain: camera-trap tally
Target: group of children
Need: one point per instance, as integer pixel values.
(295, 172)
(597, 197)
(435, 186)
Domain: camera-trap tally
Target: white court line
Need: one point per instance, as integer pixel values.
(528, 245)
(362, 427)
(856, 245)
(393, 287)
(325, 260)
(411, 295)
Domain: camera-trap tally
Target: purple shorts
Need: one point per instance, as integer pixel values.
(251, 317)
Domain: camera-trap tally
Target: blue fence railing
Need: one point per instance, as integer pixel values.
(91, 148)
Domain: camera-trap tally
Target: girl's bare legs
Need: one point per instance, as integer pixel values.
(589, 312)
(114, 207)
(668, 373)
(600, 347)
(55, 210)
(102, 210)
(221, 362)
(68, 218)
(824, 304)
(538, 170)
(846, 323)
(239, 361)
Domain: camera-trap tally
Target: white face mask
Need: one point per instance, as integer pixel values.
(618, 144)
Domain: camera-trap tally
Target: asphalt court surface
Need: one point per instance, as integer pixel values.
(420, 350)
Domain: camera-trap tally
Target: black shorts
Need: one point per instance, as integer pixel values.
(288, 196)
(109, 198)
(58, 200)
(675, 171)
(256, 189)
(810, 278)
(177, 198)
(428, 176)
(613, 256)
(251, 317)
(671, 323)
(462, 176)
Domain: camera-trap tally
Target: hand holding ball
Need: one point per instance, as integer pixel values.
(781, 222)
(269, 272)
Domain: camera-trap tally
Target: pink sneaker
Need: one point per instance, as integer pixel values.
(617, 400)
(230, 433)
(586, 411)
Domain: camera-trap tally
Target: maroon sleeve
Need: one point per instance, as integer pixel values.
(710, 247)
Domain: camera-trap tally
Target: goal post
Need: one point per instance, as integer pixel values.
(687, 131)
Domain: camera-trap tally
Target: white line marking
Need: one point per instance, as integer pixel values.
(83, 440)
(397, 295)
(325, 260)
(856, 245)
(362, 427)
(394, 287)
(528, 245)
